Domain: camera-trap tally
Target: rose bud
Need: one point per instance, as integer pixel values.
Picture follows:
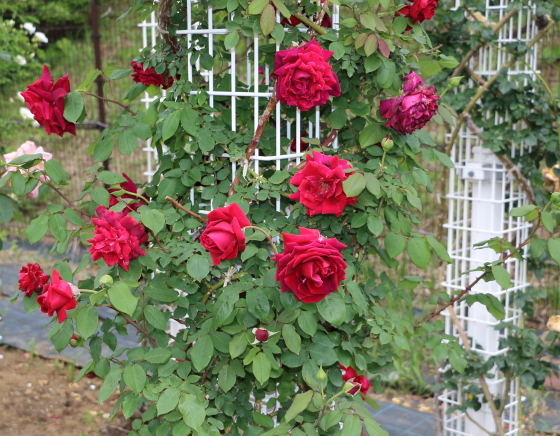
(387, 143)
(106, 280)
(74, 340)
(321, 374)
(352, 388)
(365, 384)
(555, 198)
(261, 335)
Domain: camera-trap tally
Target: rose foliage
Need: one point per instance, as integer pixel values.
(271, 280)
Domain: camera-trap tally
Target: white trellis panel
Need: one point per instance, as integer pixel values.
(246, 83)
(481, 193)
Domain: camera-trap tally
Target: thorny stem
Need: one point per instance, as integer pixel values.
(217, 285)
(109, 100)
(184, 209)
(263, 120)
(165, 250)
(310, 23)
(137, 327)
(480, 277)
(266, 235)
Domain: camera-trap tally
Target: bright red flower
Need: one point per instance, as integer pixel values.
(347, 373)
(150, 77)
(419, 10)
(303, 146)
(304, 77)
(57, 297)
(117, 238)
(128, 186)
(311, 266)
(223, 236)
(413, 109)
(32, 279)
(319, 185)
(46, 103)
(365, 384)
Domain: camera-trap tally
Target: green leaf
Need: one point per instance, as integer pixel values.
(110, 178)
(458, 362)
(548, 221)
(168, 400)
(119, 74)
(278, 177)
(190, 121)
(419, 252)
(110, 384)
(73, 217)
(268, 19)
(57, 225)
(193, 410)
(135, 378)
(88, 81)
(198, 267)
(401, 342)
(20, 160)
(354, 184)
(121, 297)
(537, 247)
(87, 321)
(444, 159)
(372, 63)
(502, 276)
(134, 91)
(238, 345)
(202, 352)
(554, 249)
(292, 339)
(448, 61)
(256, 7)
(30, 303)
(368, 21)
(370, 45)
(282, 8)
(352, 426)
(372, 134)
(385, 75)
(152, 219)
(300, 403)
(357, 297)
(170, 125)
(104, 149)
(18, 184)
(372, 184)
(73, 106)
(394, 244)
(400, 24)
(332, 308)
(126, 142)
(261, 368)
(55, 172)
(338, 118)
(373, 428)
(37, 229)
(522, 210)
(226, 378)
(307, 322)
(155, 317)
(158, 355)
(258, 304)
(439, 249)
(100, 196)
(231, 40)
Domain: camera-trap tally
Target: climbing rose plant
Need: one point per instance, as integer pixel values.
(274, 295)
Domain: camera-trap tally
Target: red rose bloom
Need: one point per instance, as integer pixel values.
(365, 384)
(128, 186)
(347, 373)
(304, 77)
(58, 297)
(311, 266)
(303, 146)
(117, 238)
(413, 109)
(223, 236)
(32, 279)
(320, 185)
(46, 103)
(419, 10)
(150, 77)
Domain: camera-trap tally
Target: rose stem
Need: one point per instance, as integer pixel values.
(110, 101)
(309, 23)
(184, 209)
(265, 234)
(328, 140)
(217, 285)
(263, 120)
(137, 327)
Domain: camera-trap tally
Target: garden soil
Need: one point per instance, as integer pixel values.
(38, 398)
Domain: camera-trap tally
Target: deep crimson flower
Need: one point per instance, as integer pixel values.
(304, 77)
(419, 11)
(311, 266)
(347, 373)
(413, 109)
(261, 335)
(32, 279)
(352, 387)
(150, 77)
(223, 236)
(128, 186)
(57, 297)
(319, 185)
(303, 146)
(365, 384)
(117, 238)
(46, 103)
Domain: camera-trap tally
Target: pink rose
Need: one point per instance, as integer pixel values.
(413, 109)
(57, 297)
(223, 236)
(150, 77)
(311, 266)
(117, 238)
(128, 186)
(46, 103)
(32, 279)
(29, 147)
(419, 10)
(319, 185)
(304, 77)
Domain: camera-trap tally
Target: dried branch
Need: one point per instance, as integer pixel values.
(184, 209)
(164, 20)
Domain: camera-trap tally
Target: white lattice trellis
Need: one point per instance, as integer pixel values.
(481, 193)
